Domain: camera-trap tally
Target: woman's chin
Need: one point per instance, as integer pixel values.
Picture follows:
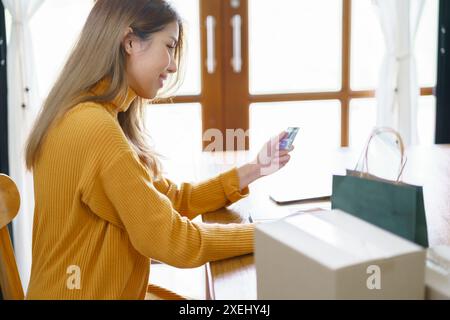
(149, 96)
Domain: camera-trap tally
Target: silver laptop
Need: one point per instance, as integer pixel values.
(304, 191)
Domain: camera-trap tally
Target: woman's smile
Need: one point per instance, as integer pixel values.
(162, 78)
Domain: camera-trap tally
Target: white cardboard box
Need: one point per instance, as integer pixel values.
(437, 275)
(334, 255)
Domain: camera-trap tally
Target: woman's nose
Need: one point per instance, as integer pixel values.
(172, 66)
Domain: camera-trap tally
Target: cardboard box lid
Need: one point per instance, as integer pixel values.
(337, 239)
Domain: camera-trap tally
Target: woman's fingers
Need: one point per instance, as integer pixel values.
(275, 141)
(282, 135)
(273, 156)
(283, 159)
(282, 164)
(283, 152)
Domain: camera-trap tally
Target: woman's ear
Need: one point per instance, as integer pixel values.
(128, 39)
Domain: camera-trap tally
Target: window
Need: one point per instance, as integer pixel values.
(308, 63)
(367, 52)
(299, 50)
(54, 29)
(297, 53)
(176, 129)
(189, 11)
(317, 120)
(176, 132)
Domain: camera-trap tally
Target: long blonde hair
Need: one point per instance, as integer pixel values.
(99, 54)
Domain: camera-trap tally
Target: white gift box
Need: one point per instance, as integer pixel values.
(334, 255)
(437, 275)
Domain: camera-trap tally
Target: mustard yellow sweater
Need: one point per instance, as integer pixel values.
(99, 218)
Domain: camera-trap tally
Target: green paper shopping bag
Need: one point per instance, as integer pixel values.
(391, 205)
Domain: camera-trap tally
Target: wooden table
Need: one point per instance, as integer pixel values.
(235, 278)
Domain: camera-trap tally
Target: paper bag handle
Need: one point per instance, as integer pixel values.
(364, 155)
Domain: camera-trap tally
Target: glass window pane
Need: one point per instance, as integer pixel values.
(427, 120)
(295, 45)
(189, 11)
(427, 44)
(73, 13)
(176, 132)
(54, 30)
(319, 122)
(367, 46)
(363, 117)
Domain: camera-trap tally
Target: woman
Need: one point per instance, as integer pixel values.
(102, 208)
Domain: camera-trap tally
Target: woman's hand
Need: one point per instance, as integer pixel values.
(269, 160)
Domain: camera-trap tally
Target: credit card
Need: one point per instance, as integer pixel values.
(286, 143)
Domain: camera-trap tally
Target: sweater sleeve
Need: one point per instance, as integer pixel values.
(155, 228)
(193, 199)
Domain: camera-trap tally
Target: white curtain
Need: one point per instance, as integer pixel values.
(23, 106)
(398, 90)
